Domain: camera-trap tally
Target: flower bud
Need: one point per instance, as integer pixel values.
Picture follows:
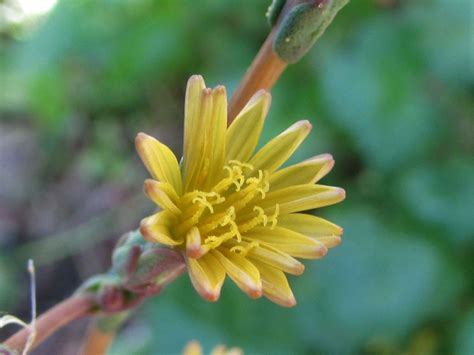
(301, 27)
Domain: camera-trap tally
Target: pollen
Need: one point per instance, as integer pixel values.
(215, 213)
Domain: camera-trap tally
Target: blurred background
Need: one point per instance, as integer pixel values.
(389, 90)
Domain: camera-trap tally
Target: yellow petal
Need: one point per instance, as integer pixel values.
(219, 350)
(194, 248)
(306, 172)
(275, 285)
(241, 271)
(244, 132)
(192, 110)
(301, 198)
(215, 131)
(276, 258)
(207, 276)
(163, 195)
(280, 148)
(330, 241)
(289, 242)
(156, 228)
(193, 348)
(194, 158)
(159, 160)
(309, 225)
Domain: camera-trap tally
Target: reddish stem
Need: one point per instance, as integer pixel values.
(63, 313)
(263, 73)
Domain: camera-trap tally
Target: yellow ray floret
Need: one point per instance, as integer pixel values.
(233, 211)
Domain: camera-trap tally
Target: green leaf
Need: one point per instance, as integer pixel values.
(377, 286)
(371, 86)
(439, 195)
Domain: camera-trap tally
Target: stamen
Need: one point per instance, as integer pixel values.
(229, 220)
(213, 241)
(243, 250)
(237, 250)
(274, 219)
(189, 222)
(242, 165)
(261, 215)
(235, 229)
(266, 184)
(221, 219)
(235, 177)
(258, 181)
(260, 218)
(203, 201)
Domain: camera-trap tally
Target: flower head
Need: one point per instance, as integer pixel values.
(232, 211)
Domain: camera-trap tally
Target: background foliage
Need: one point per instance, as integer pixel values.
(389, 90)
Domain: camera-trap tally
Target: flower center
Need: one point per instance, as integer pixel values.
(216, 213)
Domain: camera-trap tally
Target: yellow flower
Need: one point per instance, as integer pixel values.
(234, 212)
(195, 348)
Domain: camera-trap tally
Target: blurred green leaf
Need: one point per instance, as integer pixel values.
(8, 286)
(445, 34)
(373, 89)
(464, 336)
(378, 286)
(439, 195)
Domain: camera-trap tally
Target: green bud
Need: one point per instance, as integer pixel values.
(155, 268)
(274, 10)
(302, 26)
(139, 269)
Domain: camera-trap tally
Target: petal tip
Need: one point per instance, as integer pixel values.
(194, 253)
(334, 241)
(299, 269)
(195, 78)
(211, 296)
(290, 302)
(220, 89)
(330, 163)
(255, 292)
(261, 95)
(307, 125)
(145, 231)
(148, 185)
(140, 138)
(341, 193)
(321, 251)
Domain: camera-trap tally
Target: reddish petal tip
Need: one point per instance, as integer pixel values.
(322, 251)
(341, 192)
(194, 253)
(211, 296)
(291, 302)
(307, 124)
(255, 293)
(298, 269)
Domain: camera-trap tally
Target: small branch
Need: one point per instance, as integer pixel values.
(71, 309)
(263, 73)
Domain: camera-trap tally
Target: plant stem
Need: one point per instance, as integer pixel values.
(72, 308)
(263, 73)
(101, 333)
